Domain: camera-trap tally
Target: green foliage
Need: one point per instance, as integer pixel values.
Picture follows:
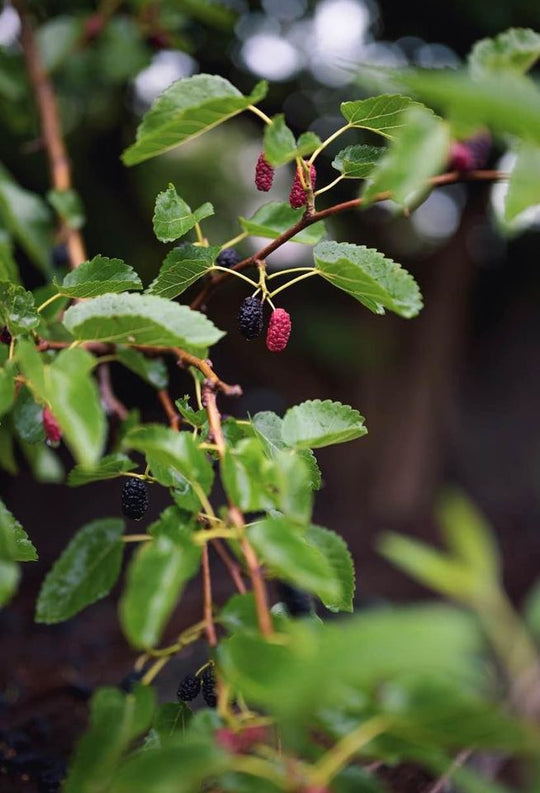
(280, 146)
(357, 162)
(109, 467)
(318, 423)
(523, 187)
(185, 110)
(68, 206)
(384, 114)
(272, 219)
(172, 216)
(100, 276)
(182, 267)
(368, 276)
(515, 50)
(85, 572)
(17, 309)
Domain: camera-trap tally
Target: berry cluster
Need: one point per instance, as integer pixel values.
(250, 320)
(279, 330)
(134, 498)
(470, 154)
(191, 685)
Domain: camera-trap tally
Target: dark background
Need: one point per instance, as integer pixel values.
(449, 398)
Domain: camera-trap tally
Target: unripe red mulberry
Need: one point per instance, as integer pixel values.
(51, 427)
(298, 196)
(264, 174)
(240, 742)
(470, 154)
(279, 330)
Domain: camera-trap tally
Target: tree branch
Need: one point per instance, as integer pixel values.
(207, 598)
(51, 131)
(168, 407)
(452, 177)
(110, 401)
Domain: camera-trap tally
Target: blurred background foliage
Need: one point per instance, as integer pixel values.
(449, 398)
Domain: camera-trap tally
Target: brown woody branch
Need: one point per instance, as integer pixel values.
(51, 131)
(452, 177)
(210, 628)
(168, 407)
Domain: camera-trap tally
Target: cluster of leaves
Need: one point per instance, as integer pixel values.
(396, 684)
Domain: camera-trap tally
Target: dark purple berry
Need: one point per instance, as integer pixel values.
(189, 688)
(297, 602)
(209, 687)
(250, 318)
(264, 174)
(5, 336)
(228, 257)
(60, 256)
(134, 498)
(471, 153)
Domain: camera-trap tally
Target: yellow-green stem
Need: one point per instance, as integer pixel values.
(260, 113)
(236, 273)
(235, 240)
(329, 186)
(48, 302)
(288, 271)
(256, 766)
(201, 495)
(344, 750)
(294, 281)
(137, 538)
(327, 142)
(200, 537)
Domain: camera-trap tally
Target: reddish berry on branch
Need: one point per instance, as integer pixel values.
(264, 174)
(298, 196)
(51, 427)
(279, 330)
(470, 154)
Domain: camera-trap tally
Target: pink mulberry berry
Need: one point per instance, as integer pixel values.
(471, 153)
(279, 330)
(297, 196)
(460, 158)
(51, 427)
(264, 174)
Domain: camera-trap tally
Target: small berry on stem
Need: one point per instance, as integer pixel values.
(279, 330)
(134, 498)
(228, 257)
(250, 318)
(189, 688)
(298, 196)
(264, 174)
(51, 427)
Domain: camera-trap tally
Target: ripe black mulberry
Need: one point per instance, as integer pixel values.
(5, 335)
(189, 688)
(228, 257)
(209, 687)
(250, 318)
(134, 498)
(297, 602)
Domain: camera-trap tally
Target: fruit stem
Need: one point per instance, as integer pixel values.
(204, 536)
(330, 139)
(137, 538)
(48, 302)
(339, 755)
(329, 186)
(234, 272)
(260, 113)
(293, 281)
(289, 270)
(235, 240)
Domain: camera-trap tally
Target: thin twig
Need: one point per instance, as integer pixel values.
(112, 404)
(232, 567)
(172, 415)
(205, 367)
(214, 418)
(51, 132)
(458, 761)
(452, 177)
(254, 569)
(207, 598)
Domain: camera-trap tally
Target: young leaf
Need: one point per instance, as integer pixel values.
(335, 550)
(151, 370)
(292, 480)
(524, 185)
(100, 276)
(164, 447)
(514, 50)
(109, 467)
(468, 535)
(247, 476)
(268, 428)
(27, 418)
(156, 577)
(28, 218)
(381, 114)
(85, 572)
(357, 162)
(182, 267)
(289, 556)
(318, 423)
(17, 309)
(171, 718)
(419, 151)
(185, 110)
(280, 146)
(115, 720)
(173, 217)
(44, 463)
(7, 389)
(140, 319)
(273, 219)
(15, 545)
(371, 278)
(68, 206)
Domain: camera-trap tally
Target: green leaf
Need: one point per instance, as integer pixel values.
(173, 217)
(8, 266)
(289, 556)
(197, 418)
(335, 550)
(109, 467)
(28, 218)
(140, 319)
(100, 276)
(115, 720)
(272, 219)
(506, 104)
(9, 578)
(318, 423)
(15, 545)
(85, 572)
(293, 483)
(371, 278)
(179, 450)
(156, 578)
(68, 387)
(151, 370)
(7, 458)
(171, 718)
(524, 184)
(432, 568)
(469, 535)
(357, 162)
(280, 146)
(182, 267)
(247, 476)
(419, 151)
(181, 766)
(27, 418)
(44, 463)
(7, 389)
(17, 309)
(515, 50)
(268, 428)
(68, 206)
(185, 110)
(381, 114)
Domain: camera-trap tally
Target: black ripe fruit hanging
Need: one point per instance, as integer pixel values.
(5, 335)
(250, 318)
(209, 687)
(134, 498)
(189, 688)
(228, 257)
(297, 602)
